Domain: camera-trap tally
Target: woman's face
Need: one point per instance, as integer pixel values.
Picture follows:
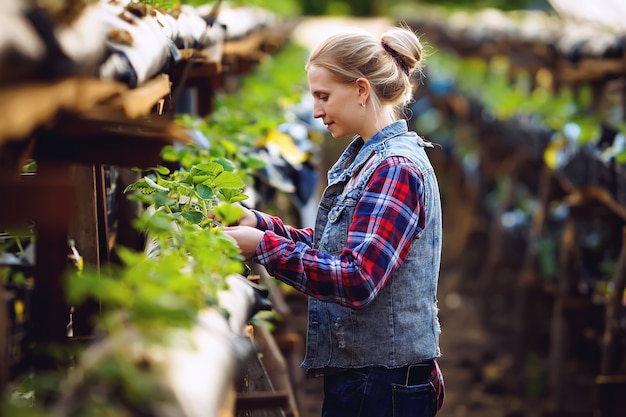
(337, 104)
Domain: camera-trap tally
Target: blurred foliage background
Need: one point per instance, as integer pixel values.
(371, 8)
(386, 7)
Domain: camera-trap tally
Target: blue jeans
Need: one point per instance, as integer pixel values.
(375, 392)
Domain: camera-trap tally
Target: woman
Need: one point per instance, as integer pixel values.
(371, 264)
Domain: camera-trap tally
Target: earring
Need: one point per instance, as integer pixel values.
(362, 104)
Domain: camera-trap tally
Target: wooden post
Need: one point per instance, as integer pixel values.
(559, 326)
(4, 329)
(610, 386)
(611, 354)
(488, 276)
(53, 211)
(528, 275)
(86, 235)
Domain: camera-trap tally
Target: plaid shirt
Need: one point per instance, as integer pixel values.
(387, 218)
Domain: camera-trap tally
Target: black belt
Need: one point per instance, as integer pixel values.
(415, 374)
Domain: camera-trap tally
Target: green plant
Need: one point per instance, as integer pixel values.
(187, 196)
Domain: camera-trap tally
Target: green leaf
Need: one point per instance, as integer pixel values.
(158, 223)
(187, 160)
(151, 183)
(204, 192)
(227, 164)
(198, 179)
(132, 187)
(228, 180)
(169, 154)
(230, 147)
(141, 198)
(193, 216)
(228, 214)
(163, 170)
(232, 195)
(182, 177)
(212, 168)
(226, 244)
(162, 199)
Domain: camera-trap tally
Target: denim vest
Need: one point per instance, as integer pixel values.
(400, 326)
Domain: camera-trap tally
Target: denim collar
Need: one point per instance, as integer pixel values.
(394, 129)
(362, 150)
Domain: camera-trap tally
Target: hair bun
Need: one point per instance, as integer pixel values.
(405, 47)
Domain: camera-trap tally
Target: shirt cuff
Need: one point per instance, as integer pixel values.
(267, 245)
(261, 224)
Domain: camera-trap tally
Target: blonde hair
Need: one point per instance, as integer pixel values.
(387, 63)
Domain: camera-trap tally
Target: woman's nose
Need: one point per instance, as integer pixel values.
(318, 112)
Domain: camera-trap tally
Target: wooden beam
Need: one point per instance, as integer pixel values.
(138, 101)
(596, 195)
(122, 142)
(23, 108)
(254, 400)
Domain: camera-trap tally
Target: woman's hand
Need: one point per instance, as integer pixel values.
(247, 238)
(247, 219)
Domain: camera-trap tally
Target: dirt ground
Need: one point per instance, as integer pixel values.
(467, 361)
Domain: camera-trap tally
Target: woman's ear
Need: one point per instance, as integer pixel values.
(363, 89)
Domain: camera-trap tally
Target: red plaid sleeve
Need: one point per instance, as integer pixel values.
(436, 378)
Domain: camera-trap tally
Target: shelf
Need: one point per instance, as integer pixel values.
(29, 106)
